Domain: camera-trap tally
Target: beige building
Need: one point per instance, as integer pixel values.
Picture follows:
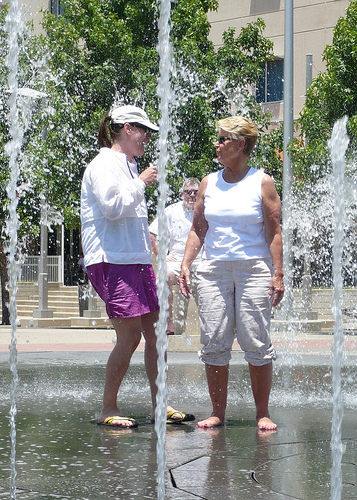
(314, 21)
(31, 10)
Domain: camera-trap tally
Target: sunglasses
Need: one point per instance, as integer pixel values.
(145, 129)
(190, 191)
(222, 139)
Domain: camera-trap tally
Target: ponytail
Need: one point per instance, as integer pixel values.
(107, 132)
(104, 139)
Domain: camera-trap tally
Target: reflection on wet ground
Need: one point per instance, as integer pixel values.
(62, 454)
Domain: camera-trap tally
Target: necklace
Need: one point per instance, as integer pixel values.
(131, 172)
(127, 161)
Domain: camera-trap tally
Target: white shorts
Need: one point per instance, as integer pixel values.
(235, 295)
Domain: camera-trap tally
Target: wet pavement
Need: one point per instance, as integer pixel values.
(61, 453)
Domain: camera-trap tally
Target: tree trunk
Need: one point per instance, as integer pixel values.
(5, 296)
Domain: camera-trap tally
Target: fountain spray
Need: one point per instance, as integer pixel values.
(338, 145)
(14, 29)
(164, 94)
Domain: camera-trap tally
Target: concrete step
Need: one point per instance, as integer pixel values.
(62, 301)
(63, 296)
(65, 301)
(74, 322)
(53, 307)
(306, 326)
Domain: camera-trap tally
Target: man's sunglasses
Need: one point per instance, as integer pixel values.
(190, 191)
(222, 139)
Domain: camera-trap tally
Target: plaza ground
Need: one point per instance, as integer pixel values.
(61, 453)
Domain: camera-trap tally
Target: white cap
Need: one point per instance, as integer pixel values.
(132, 114)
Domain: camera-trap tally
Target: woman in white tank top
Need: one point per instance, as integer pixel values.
(237, 222)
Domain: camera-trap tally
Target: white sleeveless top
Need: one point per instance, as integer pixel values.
(235, 218)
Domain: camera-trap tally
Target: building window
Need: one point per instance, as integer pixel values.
(56, 8)
(264, 6)
(270, 86)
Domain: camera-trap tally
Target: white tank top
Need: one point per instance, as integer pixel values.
(235, 218)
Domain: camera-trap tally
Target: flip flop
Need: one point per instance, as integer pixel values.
(185, 417)
(109, 422)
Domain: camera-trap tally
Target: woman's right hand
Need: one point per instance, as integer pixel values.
(149, 176)
(184, 282)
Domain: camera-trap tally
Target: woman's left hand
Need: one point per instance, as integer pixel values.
(276, 289)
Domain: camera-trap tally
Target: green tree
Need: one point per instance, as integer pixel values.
(332, 95)
(101, 52)
(106, 51)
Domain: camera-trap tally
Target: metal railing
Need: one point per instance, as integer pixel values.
(30, 268)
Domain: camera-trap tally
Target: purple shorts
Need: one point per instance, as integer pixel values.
(127, 290)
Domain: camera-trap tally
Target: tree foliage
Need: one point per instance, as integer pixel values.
(332, 95)
(104, 52)
(101, 52)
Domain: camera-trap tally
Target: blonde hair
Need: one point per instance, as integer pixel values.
(239, 128)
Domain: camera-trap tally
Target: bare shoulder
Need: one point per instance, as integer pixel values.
(204, 182)
(202, 188)
(267, 181)
(268, 187)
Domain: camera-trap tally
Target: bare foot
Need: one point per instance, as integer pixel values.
(263, 435)
(210, 422)
(265, 424)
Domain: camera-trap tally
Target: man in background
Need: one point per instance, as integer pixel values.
(179, 220)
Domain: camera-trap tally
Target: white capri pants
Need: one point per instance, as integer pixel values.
(180, 303)
(235, 295)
